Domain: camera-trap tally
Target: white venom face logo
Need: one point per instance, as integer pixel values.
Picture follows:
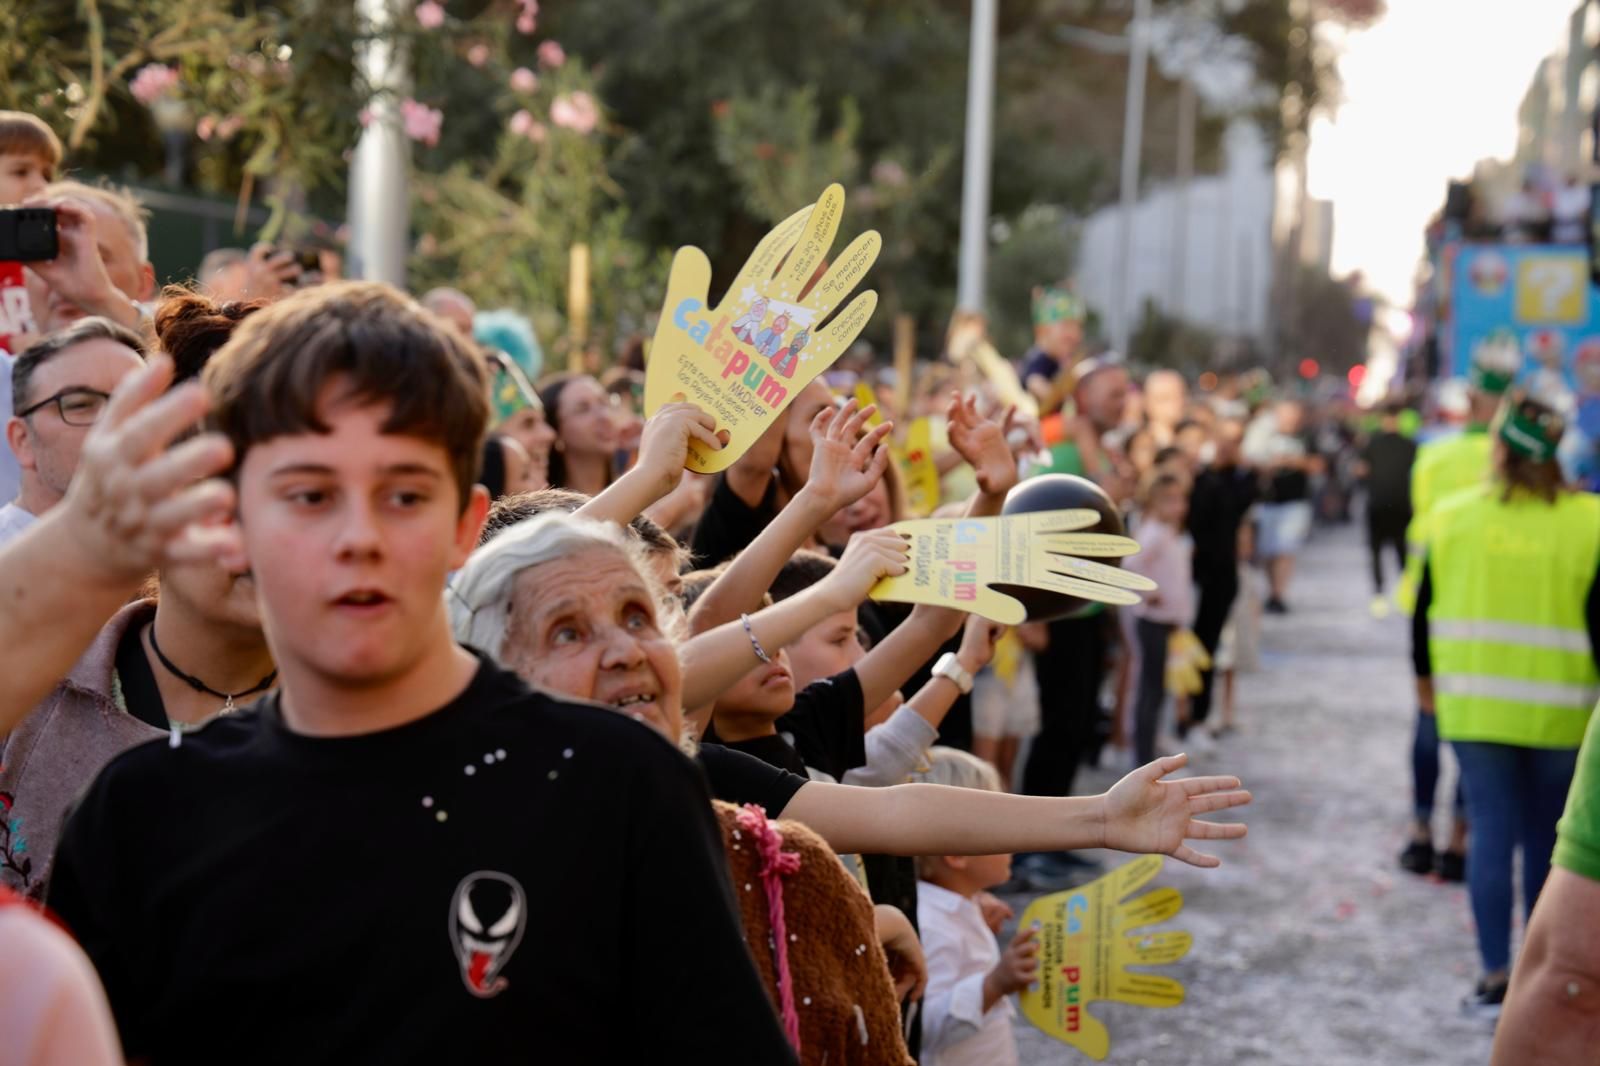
(487, 917)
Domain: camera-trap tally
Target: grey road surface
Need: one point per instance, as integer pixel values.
(1311, 946)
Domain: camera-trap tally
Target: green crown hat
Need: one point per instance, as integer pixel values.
(1052, 304)
(1529, 428)
(1495, 362)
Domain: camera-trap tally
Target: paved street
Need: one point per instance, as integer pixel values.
(1311, 947)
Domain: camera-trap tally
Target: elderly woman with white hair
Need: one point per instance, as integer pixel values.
(573, 607)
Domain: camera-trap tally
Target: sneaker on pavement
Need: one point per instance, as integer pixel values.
(1450, 866)
(1202, 741)
(1486, 999)
(1418, 857)
(1276, 606)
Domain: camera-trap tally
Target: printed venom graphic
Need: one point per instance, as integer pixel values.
(487, 918)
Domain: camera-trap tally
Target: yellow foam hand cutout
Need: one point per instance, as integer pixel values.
(920, 471)
(1087, 941)
(1186, 658)
(954, 562)
(746, 359)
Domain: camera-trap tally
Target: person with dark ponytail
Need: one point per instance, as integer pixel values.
(583, 457)
(190, 650)
(1506, 640)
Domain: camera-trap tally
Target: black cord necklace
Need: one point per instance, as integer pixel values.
(195, 683)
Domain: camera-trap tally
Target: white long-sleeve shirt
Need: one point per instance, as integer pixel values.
(896, 749)
(960, 951)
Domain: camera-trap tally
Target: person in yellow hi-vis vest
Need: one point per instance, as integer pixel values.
(1443, 468)
(1505, 639)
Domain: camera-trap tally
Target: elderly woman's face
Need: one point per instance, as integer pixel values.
(586, 626)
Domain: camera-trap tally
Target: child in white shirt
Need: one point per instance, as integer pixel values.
(966, 1010)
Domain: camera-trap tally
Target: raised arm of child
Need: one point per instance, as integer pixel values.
(983, 443)
(717, 658)
(1142, 814)
(898, 746)
(843, 469)
(133, 505)
(663, 449)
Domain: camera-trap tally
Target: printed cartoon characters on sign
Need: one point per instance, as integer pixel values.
(744, 360)
(957, 562)
(1087, 941)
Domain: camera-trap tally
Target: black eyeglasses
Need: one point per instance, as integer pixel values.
(78, 406)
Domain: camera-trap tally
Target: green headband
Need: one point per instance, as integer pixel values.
(1532, 434)
(511, 392)
(1052, 305)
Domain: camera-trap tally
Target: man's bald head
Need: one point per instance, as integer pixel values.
(1102, 395)
(453, 306)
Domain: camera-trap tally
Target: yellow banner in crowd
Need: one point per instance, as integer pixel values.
(954, 561)
(921, 473)
(1086, 944)
(746, 359)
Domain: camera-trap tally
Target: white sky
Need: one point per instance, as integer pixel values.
(1428, 91)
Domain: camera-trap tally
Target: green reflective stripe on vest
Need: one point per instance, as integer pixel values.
(1512, 633)
(1508, 632)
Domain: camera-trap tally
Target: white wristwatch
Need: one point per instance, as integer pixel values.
(950, 668)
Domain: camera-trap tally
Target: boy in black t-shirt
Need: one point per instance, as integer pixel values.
(405, 855)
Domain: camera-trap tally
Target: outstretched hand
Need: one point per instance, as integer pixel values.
(869, 557)
(134, 503)
(1147, 815)
(983, 443)
(843, 467)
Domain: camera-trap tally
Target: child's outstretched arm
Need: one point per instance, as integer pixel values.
(1142, 814)
(663, 449)
(715, 659)
(983, 443)
(843, 469)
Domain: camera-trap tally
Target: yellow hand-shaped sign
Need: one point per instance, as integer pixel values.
(746, 359)
(1087, 943)
(917, 468)
(954, 561)
(1186, 658)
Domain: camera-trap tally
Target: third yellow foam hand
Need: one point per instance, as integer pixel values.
(744, 360)
(1088, 941)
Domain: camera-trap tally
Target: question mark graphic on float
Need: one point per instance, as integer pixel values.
(1551, 289)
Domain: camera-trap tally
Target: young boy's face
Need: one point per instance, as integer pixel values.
(349, 536)
(830, 647)
(22, 176)
(767, 691)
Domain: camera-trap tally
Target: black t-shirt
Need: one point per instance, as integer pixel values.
(1389, 457)
(729, 524)
(510, 875)
(1217, 504)
(826, 729)
(140, 693)
(739, 777)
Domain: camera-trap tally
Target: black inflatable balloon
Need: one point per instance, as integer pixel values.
(1059, 492)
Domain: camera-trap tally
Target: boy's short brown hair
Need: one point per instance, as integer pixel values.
(269, 379)
(25, 134)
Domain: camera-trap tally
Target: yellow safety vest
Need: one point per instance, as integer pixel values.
(1442, 468)
(1507, 629)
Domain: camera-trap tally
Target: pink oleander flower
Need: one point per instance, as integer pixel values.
(205, 127)
(152, 82)
(430, 15)
(537, 132)
(521, 123)
(524, 80)
(575, 111)
(526, 24)
(420, 121)
(530, 8)
(478, 54)
(551, 54)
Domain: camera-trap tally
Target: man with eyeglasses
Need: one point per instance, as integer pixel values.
(59, 386)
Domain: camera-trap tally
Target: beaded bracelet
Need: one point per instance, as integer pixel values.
(754, 643)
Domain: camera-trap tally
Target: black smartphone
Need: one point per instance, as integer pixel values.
(28, 234)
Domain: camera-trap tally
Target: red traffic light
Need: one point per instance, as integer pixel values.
(1309, 368)
(1357, 375)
